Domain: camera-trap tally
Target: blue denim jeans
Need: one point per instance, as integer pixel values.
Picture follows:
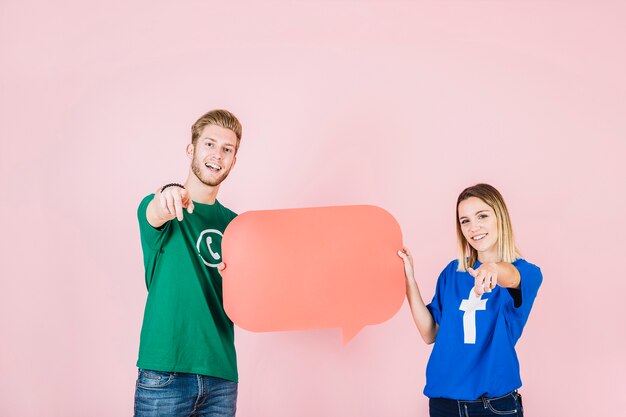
(506, 405)
(161, 394)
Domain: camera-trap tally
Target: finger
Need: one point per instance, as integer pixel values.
(480, 276)
(405, 257)
(487, 283)
(484, 280)
(184, 196)
(408, 266)
(478, 290)
(169, 201)
(494, 280)
(163, 203)
(472, 272)
(479, 283)
(178, 206)
(221, 266)
(190, 206)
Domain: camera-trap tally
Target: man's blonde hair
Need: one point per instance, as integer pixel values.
(507, 250)
(219, 117)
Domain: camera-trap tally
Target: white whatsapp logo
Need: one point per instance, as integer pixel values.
(470, 306)
(208, 243)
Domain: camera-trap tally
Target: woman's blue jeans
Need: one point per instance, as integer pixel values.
(161, 394)
(506, 405)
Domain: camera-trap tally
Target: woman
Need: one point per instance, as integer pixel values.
(480, 307)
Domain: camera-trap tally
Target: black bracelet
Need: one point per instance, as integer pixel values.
(172, 184)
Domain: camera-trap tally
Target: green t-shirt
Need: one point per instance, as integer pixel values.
(185, 328)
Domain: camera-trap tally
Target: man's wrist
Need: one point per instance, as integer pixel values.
(172, 184)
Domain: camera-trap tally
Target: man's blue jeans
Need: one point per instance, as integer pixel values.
(161, 394)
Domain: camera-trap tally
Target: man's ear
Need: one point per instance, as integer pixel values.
(189, 150)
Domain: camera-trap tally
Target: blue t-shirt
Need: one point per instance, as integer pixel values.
(474, 353)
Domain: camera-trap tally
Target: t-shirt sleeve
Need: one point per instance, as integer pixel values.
(522, 299)
(436, 305)
(151, 236)
(152, 239)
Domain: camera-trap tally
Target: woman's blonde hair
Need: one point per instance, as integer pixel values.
(507, 250)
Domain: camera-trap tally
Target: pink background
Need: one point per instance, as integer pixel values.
(397, 104)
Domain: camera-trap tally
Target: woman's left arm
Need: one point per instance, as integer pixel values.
(489, 274)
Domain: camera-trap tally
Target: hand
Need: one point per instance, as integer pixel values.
(408, 263)
(173, 201)
(485, 277)
(221, 267)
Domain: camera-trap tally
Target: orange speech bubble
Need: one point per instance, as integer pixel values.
(308, 268)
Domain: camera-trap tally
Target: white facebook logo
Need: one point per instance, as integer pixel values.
(470, 306)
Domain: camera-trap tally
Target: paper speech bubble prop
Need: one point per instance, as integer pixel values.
(308, 268)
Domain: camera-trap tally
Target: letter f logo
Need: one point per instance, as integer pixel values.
(469, 307)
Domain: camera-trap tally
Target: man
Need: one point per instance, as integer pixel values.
(187, 362)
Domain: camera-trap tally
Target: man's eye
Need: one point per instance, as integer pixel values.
(209, 144)
(228, 150)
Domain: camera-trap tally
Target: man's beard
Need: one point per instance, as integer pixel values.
(196, 168)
